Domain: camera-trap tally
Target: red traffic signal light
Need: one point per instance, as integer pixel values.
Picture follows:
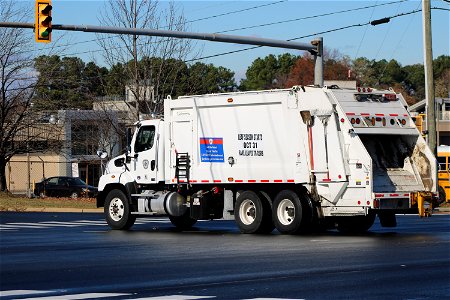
(43, 21)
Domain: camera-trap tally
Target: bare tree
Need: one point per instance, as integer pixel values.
(149, 64)
(21, 129)
(16, 83)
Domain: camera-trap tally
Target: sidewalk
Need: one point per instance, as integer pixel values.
(445, 210)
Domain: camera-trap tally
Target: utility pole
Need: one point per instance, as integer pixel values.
(136, 90)
(429, 82)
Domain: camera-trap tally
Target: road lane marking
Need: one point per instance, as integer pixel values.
(109, 295)
(17, 225)
(7, 229)
(276, 299)
(79, 296)
(176, 297)
(91, 222)
(61, 224)
(21, 293)
(78, 223)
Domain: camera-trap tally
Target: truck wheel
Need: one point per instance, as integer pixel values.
(183, 222)
(252, 214)
(117, 211)
(356, 224)
(291, 214)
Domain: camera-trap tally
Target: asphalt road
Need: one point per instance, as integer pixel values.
(76, 256)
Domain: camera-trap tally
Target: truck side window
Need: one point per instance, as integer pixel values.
(144, 139)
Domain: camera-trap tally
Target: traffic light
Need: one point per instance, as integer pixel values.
(43, 21)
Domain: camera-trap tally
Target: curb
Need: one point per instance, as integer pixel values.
(64, 210)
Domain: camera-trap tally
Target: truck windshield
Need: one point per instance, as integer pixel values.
(144, 139)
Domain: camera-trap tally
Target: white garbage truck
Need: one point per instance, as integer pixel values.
(297, 160)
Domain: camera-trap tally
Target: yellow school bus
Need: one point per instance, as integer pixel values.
(443, 157)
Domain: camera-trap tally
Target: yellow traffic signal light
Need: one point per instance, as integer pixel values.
(43, 21)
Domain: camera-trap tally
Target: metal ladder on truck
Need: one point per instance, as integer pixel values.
(182, 166)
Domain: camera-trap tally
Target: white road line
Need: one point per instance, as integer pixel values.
(7, 229)
(61, 224)
(78, 223)
(21, 293)
(46, 224)
(275, 299)
(13, 225)
(108, 295)
(177, 297)
(79, 296)
(91, 222)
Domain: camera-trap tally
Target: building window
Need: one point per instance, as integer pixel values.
(85, 139)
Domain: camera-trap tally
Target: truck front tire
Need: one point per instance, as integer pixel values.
(117, 211)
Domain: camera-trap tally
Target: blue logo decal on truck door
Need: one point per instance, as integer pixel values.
(211, 149)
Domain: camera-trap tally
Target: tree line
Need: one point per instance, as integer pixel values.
(70, 83)
(286, 70)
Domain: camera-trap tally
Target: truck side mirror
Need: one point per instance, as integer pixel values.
(119, 162)
(129, 137)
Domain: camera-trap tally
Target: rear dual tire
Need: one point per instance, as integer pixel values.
(253, 213)
(292, 214)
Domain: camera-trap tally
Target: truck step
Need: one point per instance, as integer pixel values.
(151, 196)
(149, 213)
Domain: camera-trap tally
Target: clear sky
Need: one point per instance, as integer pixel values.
(400, 39)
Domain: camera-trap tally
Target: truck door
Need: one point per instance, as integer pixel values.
(143, 155)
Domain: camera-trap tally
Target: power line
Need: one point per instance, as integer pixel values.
(305, 36)
(385, 35)
(400, 41)
(233, 12)
(253, 26)
(365, 31)
(440, 8)
(312, 17)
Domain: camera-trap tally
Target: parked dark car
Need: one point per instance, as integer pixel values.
(63, 186)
